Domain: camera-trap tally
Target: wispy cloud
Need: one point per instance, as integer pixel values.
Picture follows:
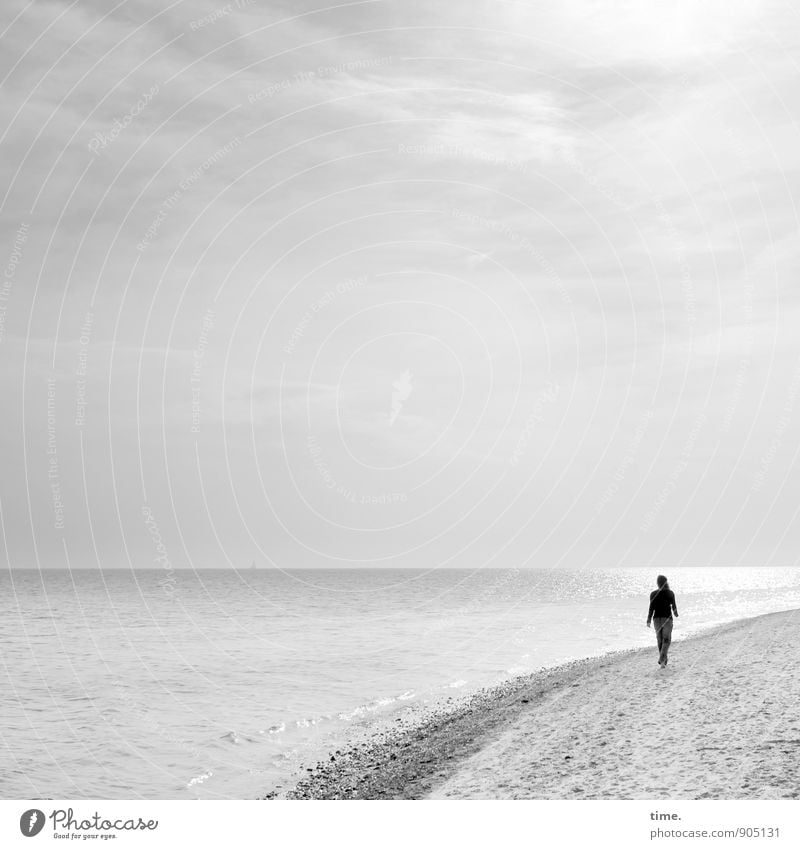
(599, 194)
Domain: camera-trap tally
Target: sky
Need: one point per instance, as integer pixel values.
(399, 284)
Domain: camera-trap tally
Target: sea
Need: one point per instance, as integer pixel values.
(229, 684)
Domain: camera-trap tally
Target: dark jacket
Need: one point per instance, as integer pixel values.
(662, 603)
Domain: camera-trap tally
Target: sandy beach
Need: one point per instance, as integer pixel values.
(722, 721)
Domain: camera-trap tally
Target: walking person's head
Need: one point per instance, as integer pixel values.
(661, 580)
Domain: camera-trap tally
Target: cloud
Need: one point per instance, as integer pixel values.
(591, 192)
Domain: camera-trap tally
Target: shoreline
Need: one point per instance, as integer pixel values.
(585, 728)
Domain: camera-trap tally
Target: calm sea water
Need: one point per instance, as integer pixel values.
(224, 684)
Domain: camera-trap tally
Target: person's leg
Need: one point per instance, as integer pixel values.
(666, 639)
(657, 625)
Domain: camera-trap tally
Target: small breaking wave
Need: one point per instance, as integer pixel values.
(373, 706)
(199, 779)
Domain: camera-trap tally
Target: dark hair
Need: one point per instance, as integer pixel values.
(661, 580)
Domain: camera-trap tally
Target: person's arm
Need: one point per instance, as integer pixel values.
(650, 609)
(674, 605)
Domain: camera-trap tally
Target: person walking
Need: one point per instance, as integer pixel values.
(662, 605)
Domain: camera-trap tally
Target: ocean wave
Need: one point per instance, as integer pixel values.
(377, 704)
(199, 779)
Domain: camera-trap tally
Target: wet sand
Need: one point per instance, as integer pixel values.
(722, 721)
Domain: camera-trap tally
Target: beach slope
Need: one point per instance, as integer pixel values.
(722, 721)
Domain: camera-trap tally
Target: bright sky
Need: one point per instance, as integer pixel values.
(399, 283)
